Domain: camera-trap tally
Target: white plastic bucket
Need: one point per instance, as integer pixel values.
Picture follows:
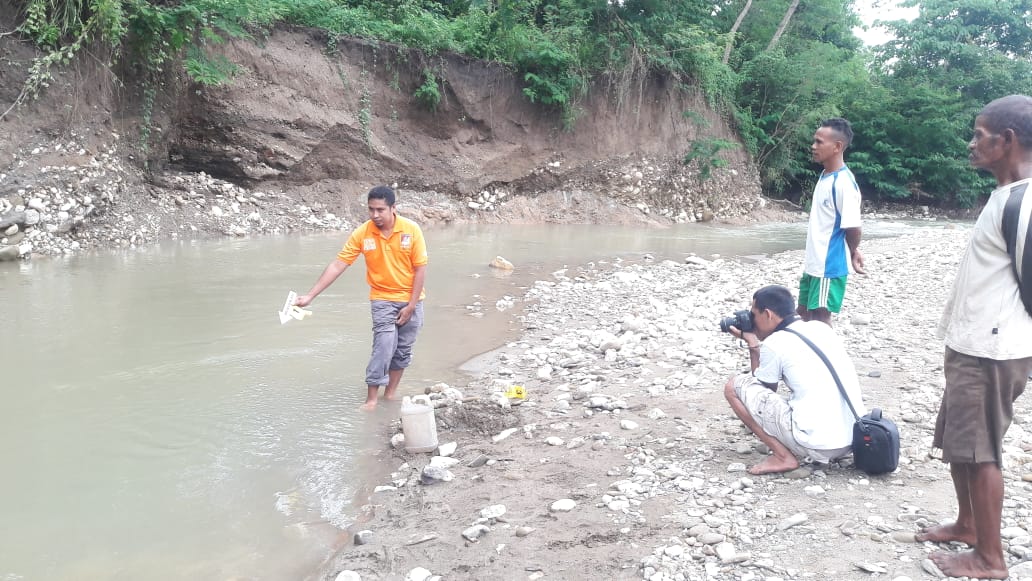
(418, 424)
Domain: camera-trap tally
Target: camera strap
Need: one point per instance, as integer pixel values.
(783, 325)
(838, 382)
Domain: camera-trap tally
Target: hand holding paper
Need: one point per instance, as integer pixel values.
(292, 311)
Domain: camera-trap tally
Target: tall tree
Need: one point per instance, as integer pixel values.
(784, 24)
(939, 70)
(734, 30)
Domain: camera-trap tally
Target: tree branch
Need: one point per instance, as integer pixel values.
(734, 29)
(784, 24)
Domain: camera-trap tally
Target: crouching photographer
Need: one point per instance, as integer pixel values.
(814, 422)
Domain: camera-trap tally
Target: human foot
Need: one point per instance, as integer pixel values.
(774, 465)
(947, 533)
(368, 406)
(969, 564)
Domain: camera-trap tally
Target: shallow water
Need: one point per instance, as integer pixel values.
(158, 422)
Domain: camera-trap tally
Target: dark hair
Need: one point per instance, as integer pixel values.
(842, 127)
(384, 193)
(1010, 112)
(776, 298)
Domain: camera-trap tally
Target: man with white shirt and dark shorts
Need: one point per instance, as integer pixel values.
(815, 422)
(987, 327)
(833, 234)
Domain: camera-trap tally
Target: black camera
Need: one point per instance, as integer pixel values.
(742, 320)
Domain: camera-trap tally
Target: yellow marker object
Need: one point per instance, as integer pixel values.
(516, 392)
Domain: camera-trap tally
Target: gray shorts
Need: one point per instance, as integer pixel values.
(977, 406)
(774, 415)
(392, 345)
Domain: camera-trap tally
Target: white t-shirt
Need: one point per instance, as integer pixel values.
(984, 316)
(835, 207)
(820, 417)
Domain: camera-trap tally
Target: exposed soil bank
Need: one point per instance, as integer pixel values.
(298, 136)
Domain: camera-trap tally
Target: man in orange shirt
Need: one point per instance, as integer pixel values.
(395, 255)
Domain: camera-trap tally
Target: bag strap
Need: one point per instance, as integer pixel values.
(838, 382)
(1011, 217)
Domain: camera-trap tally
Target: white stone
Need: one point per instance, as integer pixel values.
(1012, 532)
(475, 532)
(418, 574)
(562, 505)
(814, 491)
(397, 441)
(501, 264)
(447, 449)
(503, 434)
(860, 318)
(789, 522)
(347, 576)
(725, 552)
(628, 425)
(443, 461)
(493, 511)
(618, 505)
(675, 551)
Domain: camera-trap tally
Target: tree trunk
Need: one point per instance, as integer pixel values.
(734, 29)
(784, 24)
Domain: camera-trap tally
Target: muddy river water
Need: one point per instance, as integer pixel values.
(158, 422)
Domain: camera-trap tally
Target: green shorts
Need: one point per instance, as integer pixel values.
(822, 293)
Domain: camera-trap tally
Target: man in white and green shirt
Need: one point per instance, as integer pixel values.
(833, 235)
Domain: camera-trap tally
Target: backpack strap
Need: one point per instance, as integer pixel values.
(838, 382)
(1015, 240)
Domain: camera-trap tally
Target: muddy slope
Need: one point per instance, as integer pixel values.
(303, 130)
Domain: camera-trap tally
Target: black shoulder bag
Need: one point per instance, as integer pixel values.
(875, 437)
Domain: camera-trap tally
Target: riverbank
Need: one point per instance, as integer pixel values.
(75, 191)
(625, 462)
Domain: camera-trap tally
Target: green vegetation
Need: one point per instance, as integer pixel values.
(365, 112)
(706, 153)
(774, 69)
(428, 94)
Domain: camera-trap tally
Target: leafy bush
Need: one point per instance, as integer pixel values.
(706, 153)
(428, 94)
(207, 70)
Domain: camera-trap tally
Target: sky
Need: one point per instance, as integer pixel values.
(872, 10)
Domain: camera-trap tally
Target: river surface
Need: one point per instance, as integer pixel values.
(158, 422)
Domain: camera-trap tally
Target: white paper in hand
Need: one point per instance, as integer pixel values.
(292, 311)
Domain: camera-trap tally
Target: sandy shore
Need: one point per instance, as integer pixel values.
(626, 424)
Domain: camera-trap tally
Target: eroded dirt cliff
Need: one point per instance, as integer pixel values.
(305, 128)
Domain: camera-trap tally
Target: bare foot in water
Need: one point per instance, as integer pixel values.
(947, 533)
(968, 564)
(368, 406)
(773, 465)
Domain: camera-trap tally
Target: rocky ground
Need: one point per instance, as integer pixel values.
(70, 193)
(64, 195)
(624, 461)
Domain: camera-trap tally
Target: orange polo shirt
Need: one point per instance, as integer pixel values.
(390, 261)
